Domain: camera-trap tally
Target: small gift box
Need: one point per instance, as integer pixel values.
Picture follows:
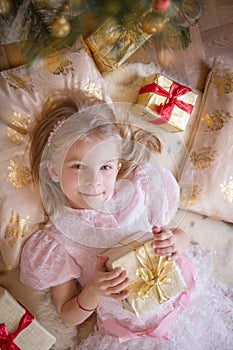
(153, 278)
(112, 43)
(168, 103)
(18, 328)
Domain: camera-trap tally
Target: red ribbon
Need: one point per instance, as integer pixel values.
(7, 339)
(165, 110)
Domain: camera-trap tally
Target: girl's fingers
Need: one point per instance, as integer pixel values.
(110, 275)
(120, 296)
(166, 245)
(164, 234)
(112, 282)
(170, 241)
(166, 251)
(117, 284)
(156, 230)
(119, 287)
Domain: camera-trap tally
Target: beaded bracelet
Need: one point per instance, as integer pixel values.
(83, 308)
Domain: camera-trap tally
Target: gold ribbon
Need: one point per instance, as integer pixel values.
(150, 276)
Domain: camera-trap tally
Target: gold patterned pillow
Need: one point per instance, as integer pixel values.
(22, 92)
(211, 153)
(21, 208)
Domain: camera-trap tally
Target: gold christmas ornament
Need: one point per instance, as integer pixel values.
(6, 7)
(153, 24)
(113, 7)
(60, 27)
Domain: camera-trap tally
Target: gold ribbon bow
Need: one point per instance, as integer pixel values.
(150, 276)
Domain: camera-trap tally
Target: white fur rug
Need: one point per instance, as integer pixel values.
(123, 85)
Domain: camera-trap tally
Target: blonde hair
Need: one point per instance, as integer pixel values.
(54, 110)
(139, 146)
(79, 121)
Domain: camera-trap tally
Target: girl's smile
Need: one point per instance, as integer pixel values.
(91, 195)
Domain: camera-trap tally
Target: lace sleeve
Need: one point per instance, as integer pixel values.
(45, 262)
(163, 195)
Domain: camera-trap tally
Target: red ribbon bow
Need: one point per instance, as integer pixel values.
(165, 110)
(7, 339)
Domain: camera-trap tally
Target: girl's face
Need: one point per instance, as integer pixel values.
(89, 172)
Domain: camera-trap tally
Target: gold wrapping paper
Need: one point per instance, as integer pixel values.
(153, 279)
(179, 118)
(112, 44)
(34, 336)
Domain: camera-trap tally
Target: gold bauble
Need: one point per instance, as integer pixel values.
(113, 7)
(6, 7)
(153, 24)
(60, 27)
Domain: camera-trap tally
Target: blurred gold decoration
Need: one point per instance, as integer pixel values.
(6, 7)
(203, 158)
(216, 120)
(59, 65)
(93, 91)
(61, 27)
(18, 126)
(227, 189)
(44, 21)
(113, 43)
(16, 229)
(18, 81)
(224, 83)
(197, 194)
(153, 23)
(19, 176)
(113, 6)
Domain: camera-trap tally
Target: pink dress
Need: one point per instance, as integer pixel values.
(200, 318)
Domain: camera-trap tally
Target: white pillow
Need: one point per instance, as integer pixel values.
(22, 93)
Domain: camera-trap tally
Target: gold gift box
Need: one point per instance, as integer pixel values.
(34, 336)
(178, 119)
(152, 278)
(112, 43)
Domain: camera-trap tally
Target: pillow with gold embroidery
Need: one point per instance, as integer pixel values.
(22, 93)
(23, 89)
(211, 153)
(20, 204)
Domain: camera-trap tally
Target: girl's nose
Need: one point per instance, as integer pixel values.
(92, 179)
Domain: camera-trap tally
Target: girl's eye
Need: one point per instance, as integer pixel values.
(77, 166)
(106, 167)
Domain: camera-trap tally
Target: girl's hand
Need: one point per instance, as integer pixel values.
(109, 283)
(169, 242)
(76, 309)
